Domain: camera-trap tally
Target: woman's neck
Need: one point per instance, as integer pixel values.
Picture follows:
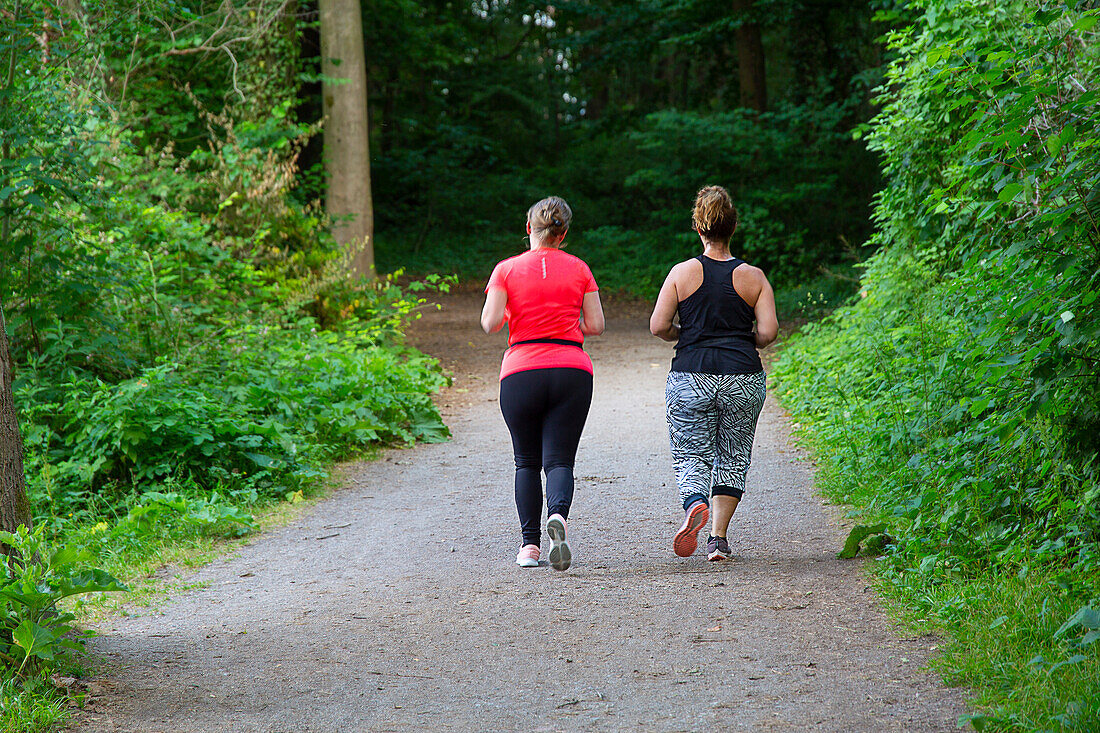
(548, 243)
(717, 250)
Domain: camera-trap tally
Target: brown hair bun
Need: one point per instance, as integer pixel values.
(713, 214)
(549, 217)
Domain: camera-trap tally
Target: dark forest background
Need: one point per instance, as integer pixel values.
(625, 109)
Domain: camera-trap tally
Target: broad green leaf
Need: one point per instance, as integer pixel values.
(859, 533)
(34, 640)
(1086, 23)
(1086, 617)
(89, 581)
(1010, 191)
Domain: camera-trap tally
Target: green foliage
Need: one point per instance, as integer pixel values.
(626, 110)
(785, 170)
(33, 631)
(957, 397)
(197, 327)
(262, 411)
(205, 512)
(29, 705)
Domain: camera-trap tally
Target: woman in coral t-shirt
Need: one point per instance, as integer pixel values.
(550, 302)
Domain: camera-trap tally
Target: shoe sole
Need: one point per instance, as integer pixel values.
(687, 540)
(718, 556)
(528, 563)
(560, 556)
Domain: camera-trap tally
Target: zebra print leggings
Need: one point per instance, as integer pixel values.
(711, 424)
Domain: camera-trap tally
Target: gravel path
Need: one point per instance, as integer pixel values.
(395, 605)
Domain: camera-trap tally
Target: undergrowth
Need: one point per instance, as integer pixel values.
(955, 401)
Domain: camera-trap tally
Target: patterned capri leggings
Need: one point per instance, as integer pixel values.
(711, 424)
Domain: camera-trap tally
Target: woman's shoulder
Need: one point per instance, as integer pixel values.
(508, 263)
(749, 282)
(569, 257)
(576, 264)
(513, 259)
(692, 267)
(749, 271)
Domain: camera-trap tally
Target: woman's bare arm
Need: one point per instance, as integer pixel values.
(492, 315)
(664, 311)
(767, 323)
(592, 311)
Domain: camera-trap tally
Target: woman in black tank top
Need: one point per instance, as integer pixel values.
(716, 386)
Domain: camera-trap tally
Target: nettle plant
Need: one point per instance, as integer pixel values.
(34, 632)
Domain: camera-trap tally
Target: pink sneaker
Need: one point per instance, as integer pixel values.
(560, 556)
(528, 556)
(686, 539)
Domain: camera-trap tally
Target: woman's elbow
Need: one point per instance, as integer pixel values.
(766, 336)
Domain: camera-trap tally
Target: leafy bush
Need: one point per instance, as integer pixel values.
(33, 631)
(205, 512)
(264, 411)
(956, 398)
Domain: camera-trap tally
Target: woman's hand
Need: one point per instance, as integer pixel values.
(492, 315)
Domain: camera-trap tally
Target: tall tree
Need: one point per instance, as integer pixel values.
(347, 138)
(750, 57)
(14, 507)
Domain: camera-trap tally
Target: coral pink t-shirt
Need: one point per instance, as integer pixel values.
(546, 288)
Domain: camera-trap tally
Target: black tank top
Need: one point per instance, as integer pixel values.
(716, 334)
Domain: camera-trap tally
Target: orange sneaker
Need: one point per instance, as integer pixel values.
(686, 540)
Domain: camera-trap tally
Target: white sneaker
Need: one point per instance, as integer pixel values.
(560, 556)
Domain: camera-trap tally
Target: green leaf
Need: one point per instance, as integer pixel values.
(859, 533)
(979, 405)
(1086, 617)
(89, 581)
(1010, 191)
(1087, 639)
(67, 555)
(34, 640)
(1075, 659)
(1085, 23)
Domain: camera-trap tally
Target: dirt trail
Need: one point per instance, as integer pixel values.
(395, 605)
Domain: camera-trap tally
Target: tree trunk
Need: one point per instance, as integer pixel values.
(347, 136)
(750, 57)
(14, 507)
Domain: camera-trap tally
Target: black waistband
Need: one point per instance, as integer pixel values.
(559, 342)
(730, 340)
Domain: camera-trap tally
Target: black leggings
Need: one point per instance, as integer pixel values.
(545, 410)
